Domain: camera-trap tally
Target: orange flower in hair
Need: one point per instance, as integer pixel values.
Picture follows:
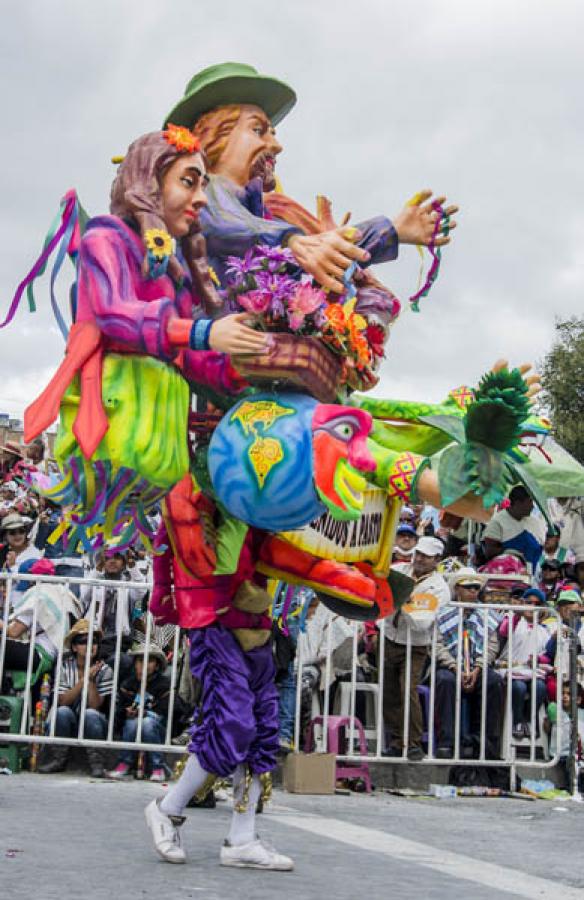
(181, 138)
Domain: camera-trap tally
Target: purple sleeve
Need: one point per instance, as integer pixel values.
(106, 293)
(230, 229)
(379, 238)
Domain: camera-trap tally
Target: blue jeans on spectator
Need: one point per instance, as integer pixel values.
(153, 732)
(67, 724)
(287, 701)
(520, 693)
(470, 712)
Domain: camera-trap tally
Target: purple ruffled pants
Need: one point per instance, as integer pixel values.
(239, 705)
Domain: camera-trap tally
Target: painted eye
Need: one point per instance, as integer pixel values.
(344, 430)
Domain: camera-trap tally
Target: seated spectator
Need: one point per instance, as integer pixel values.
(570, 607)
(35, 451)
(558, 724)
(515, 528)
(528, 645)
(507, 579)
(55, 608)
(429, 593)
(465, 585)
(71, 684)
(551, 545)
(550, 579)
(8, 494)
(115, 611)
(15, 531)
(68, 561)
(406, 539)
(156, 699)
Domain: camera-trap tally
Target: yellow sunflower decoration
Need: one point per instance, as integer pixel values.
(158, 243)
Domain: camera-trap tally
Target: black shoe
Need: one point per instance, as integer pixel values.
(96, 763)
(518, 731)
(56, 762)
(444, 753)
(393, 751)
(208, 802)
(415, 753)
(467, 751)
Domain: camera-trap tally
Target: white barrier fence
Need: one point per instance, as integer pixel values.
(26, 732)
(513, 751)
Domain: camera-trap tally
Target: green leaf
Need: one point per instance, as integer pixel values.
(450, 425)
(453, 478)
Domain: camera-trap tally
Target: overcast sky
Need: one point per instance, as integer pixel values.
(480, 100)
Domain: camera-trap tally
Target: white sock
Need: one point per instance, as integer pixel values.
(192, 778)
(242, 829)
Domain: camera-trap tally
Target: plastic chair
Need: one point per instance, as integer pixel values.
(541, 740)
(342, 704)
(338, 730)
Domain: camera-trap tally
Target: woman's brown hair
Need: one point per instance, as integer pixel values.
(136, 193)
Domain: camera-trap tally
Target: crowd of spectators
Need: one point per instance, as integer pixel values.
(516, 559)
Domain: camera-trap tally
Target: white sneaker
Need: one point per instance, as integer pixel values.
(254, 855)
(165, 833)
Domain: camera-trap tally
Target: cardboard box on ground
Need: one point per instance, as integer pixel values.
(310, 773)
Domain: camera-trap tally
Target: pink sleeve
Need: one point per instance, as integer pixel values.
(107, 294)
(163, 612)
(213, 369)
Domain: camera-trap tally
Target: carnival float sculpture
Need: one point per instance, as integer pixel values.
(286, 443)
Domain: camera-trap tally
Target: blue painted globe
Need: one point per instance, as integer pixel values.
(261, 461)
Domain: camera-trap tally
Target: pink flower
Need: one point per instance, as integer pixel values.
(306, 300)
(256, 302)
(296, 321)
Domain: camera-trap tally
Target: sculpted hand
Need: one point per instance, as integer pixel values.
(415, 223)
(530, 376)
(327, 256)
(232, 335)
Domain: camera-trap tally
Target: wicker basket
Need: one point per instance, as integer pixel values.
(297, 362)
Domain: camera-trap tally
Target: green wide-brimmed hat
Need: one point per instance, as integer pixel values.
(228, 83)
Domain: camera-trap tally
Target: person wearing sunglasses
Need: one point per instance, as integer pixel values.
(71, 686)
(14, 531)
(477, 629)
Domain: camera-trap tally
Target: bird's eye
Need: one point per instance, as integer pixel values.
(344, 430)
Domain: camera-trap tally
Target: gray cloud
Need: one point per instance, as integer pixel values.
(481, 101)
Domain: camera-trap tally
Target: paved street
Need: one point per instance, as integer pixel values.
(66, 838)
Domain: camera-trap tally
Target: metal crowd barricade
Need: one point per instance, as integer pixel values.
(511, 750)
(25, 732)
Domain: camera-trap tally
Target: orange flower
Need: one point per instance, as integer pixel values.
(181, 138)
(335, 316)
(362, 351)
(357, 324)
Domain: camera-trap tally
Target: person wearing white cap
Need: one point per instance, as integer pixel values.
(466, 585)
(416, 616)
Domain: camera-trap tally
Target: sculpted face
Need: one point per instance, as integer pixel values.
(183, 194)
(251, 149)
(340, 454)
